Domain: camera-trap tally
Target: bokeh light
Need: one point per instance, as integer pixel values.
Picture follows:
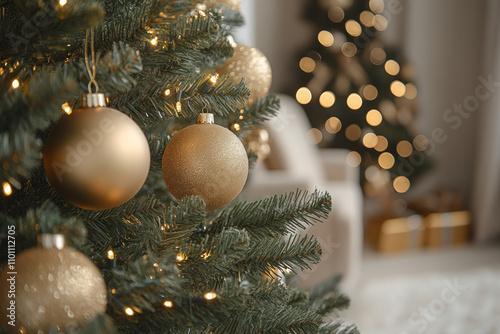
(374, 117)
(336, 14)
(353, 159)
(411, 91)
(327, 99)
(307, 64)
(353, 132)
(404, 148)
(333, 125)
(377, 6)
(377, 56)
(380, 22)
(392, 67)
(353, 28)
(325, 38)
(398, 88)
(420, 143)
(366, 18)
(349, 49)
(303, 95)
(401, 184)
(386, 160)
(370, 92)
(354, 101)
(314, 136)
(382, 144)
(370, 140)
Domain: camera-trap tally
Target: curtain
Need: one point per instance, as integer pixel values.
(486, 193)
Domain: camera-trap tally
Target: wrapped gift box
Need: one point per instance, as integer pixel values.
(444, 229)
(401, 234)
(396, 234)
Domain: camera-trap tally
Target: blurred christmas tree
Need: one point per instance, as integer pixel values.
(359, 95)
(142, 261)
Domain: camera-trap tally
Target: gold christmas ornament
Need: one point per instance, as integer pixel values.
(233, 4)
(97, 157)
(205, 160)
(252, 65)
(51, 285)
(257, 140)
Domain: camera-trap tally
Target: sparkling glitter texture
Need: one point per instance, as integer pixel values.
(233, 4)
(97, 158)
(251, 64)
(53, 288)
(205, 160)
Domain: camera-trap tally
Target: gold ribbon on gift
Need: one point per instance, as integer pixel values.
(449, 228)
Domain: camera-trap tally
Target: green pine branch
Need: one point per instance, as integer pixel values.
(148, 104)
(338, 328)
(41, 30)
(145, 283)
(271, 254)
(277, 215)
(333, 304)
(324, 289)
(255, 114)
(184, 219)
(130, 229)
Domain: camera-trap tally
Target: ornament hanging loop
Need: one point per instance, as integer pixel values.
(205, 107)
(92, 71)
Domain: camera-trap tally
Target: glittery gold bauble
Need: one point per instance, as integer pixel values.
(51, 285)
(97, 157)
(205, 160)
(233, 4)
(251, 64)
(257, 140)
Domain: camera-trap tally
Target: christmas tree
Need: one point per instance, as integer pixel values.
(140, 258)
(359, 95)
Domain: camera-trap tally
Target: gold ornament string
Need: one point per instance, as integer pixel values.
(93, 71)
(205, 107)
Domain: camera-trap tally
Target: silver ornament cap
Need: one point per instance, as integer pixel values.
(205, 118)
(93, 100)
(52, 241)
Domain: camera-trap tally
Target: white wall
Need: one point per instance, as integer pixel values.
(279, 33)
(246, 34)
(444, 42)
(442, 38)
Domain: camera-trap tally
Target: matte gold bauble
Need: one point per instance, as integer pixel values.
(233, 4)
(205, 160)
(251, 64)
(54, 286)
(97, 157)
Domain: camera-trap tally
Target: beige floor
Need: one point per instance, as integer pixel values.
(395, 291)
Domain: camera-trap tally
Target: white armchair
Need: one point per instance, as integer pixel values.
(299, 164)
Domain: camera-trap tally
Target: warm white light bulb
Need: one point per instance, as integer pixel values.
(210, 295)
(7, 189)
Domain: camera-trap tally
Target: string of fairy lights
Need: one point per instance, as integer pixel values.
(7, 186)
(16, 84)
(336, 42)
(168, 304)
